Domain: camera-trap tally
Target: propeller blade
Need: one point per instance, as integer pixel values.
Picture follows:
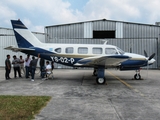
(151, 56)
(145, 53)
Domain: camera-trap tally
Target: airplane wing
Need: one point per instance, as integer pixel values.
(109, 60)
(16, 49)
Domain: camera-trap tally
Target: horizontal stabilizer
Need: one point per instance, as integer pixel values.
(16, 49)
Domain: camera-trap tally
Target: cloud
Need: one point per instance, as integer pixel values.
(6, 13)
(115, 9)
(141, 11)
(32, 27)
(37, 14)
(56, 10)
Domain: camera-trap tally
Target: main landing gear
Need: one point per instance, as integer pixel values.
(99, 72)
(137, 76)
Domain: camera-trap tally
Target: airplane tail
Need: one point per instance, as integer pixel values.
(24, 37)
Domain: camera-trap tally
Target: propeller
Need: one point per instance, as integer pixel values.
(146, 55)
(151, 56)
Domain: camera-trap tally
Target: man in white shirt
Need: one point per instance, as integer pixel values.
(48, 67)
(22, 65)
(27, 63)
(48, 70)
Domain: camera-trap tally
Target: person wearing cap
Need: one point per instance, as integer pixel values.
(16, 66)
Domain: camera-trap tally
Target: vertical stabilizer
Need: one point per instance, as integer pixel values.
(24, 37)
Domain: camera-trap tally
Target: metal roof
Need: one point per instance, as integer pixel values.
(103, 20)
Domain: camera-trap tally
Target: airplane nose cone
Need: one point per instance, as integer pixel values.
(150, 62)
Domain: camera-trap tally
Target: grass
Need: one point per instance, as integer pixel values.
(21, 107)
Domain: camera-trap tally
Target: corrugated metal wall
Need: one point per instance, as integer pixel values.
(85, 30)
(69, 31)
(7, 38)
(140, 31)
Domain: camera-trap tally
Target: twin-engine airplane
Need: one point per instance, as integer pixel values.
(99, 57)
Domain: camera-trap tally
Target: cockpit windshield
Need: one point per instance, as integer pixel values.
(120, 51)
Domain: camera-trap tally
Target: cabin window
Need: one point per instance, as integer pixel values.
(69, 50)
(58, 50)
(110, 51)
(97, 50)
(82, 50)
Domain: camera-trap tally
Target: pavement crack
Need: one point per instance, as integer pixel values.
(116, 111)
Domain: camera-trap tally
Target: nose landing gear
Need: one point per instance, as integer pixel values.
(137, 76)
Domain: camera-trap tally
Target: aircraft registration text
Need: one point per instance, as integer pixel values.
(63, 59)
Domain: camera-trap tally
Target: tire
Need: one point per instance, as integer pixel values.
(137, 76)
(100, 81)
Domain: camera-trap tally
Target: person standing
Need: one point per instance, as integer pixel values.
(16, 66)
(7, 67)
(22, 65)
(41, 64)
(33, 65)
(27, 62)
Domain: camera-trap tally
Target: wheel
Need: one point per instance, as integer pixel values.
(95, 72)
(101, 81)
(137, 76)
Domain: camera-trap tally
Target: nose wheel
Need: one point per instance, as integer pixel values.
(137, 76)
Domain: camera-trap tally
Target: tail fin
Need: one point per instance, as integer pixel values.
(24, 37)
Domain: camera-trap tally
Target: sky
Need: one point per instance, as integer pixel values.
(36, 14)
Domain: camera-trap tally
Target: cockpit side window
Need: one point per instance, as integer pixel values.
(120, 51)
(111, 51)
(58, 50)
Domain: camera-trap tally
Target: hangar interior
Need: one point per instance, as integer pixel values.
(130, 37)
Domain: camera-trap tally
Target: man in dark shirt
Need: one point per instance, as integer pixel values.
(7, 67)
(42, 66)
(33, 65)
(16, 66)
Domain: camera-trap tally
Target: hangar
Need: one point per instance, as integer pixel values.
(131, 37)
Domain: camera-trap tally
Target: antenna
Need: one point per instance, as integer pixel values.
(105, 42)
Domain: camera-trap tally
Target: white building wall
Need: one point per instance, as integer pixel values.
(88, 30)
(119, 30)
